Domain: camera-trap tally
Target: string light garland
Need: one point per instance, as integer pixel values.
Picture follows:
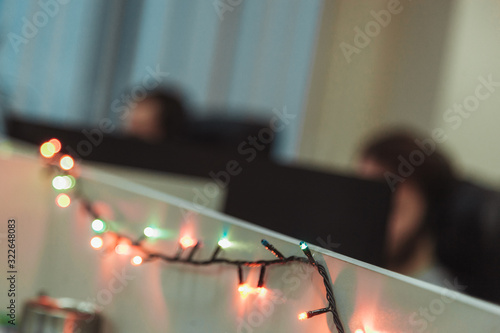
(124, 245)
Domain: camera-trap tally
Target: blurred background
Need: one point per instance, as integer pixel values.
(70, 62)
(238, 58)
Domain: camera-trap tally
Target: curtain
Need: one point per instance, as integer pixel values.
(71, 61)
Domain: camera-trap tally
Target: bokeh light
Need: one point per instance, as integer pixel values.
(57, 144)
(186, 242)
(245, 290)
(98, 225)
(96, 242)
(72, 179)
(225, 243)
(47, 149)
(122, 249)
(63, 182)
(136, 261)
(262, 291)
(67, 162)
(151, 232)
(63, 200)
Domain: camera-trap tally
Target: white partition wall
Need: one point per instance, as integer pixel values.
(54, 255)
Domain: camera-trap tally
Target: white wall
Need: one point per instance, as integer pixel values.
(473, 51)
(391, 80)
(426, 60)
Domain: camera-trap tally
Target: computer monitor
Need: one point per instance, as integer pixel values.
(344, 214)
(200, 153)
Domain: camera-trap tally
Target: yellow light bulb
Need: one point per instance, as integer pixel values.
(302, 316)
(261, 291)
(186, 242)
(244, 290)
(47, 149)
(63, 200)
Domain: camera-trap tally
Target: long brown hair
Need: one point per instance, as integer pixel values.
(433, 176)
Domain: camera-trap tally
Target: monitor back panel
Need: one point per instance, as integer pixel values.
(343, 214)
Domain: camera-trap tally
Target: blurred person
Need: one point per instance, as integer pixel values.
(422, 180)
(158, 117)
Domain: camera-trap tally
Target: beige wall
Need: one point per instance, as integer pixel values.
(392, 80)
(473, 51)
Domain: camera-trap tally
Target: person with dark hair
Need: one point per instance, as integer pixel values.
(422, 180)
(158, 117)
